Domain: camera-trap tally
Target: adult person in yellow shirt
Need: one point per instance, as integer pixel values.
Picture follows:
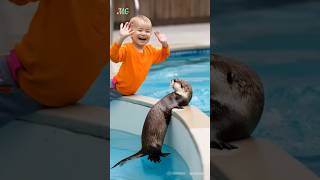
(136, 56)
(58, 59)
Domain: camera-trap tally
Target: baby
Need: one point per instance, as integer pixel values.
(138, 56)
(58, 58)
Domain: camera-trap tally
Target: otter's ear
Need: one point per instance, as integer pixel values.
(230, 77)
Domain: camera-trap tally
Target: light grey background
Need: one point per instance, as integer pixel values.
(14, 22)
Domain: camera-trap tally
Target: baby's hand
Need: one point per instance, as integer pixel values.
(125, 30)
(162, 38)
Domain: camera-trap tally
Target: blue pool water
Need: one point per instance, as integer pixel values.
(123, 144)
(291, 113)
(193, 66)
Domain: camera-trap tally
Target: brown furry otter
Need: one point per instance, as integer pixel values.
(236, 101)
(157, 121)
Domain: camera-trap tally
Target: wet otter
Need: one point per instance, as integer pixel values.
(157, 121)
(236, 101)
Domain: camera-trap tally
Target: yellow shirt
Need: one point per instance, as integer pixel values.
(135, 65)
(64, 49)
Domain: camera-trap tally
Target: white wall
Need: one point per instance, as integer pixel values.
(14, 22)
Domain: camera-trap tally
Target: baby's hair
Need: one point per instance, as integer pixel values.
(140, 17)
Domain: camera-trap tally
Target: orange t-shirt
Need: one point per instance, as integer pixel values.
(64, 50)
(135, 65)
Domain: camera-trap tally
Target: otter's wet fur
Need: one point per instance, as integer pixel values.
(157, 121)
(236, 101)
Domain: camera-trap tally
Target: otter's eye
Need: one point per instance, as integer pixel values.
(229, 77)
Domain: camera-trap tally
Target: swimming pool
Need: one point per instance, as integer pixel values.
(287, 60)
(125, 144)
(291, 113)
(191, 65)
(182, 132)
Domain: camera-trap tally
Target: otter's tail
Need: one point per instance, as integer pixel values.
(135, 156)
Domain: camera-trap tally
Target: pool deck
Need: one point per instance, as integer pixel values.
(64, 143)
(257, 159)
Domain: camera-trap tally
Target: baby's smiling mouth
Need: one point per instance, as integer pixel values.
(142, 38)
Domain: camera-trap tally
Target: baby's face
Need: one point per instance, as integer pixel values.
(142, 33)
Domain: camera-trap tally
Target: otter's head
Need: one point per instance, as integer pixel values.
(236, 85)
(183, 88)
(236, 96)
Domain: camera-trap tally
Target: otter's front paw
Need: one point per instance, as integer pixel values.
(221, 145)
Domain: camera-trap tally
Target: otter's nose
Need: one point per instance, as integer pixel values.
(172, 82)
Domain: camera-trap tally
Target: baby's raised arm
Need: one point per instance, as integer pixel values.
(117, 54)
(162, 38)
(125, 31)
